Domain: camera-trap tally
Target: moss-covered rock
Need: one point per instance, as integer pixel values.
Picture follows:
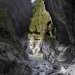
(39, 19)
(41, 23)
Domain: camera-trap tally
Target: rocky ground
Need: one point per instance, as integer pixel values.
(42, 58)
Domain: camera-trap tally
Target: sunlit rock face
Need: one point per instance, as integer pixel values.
(38, 53)
(71, 70)
(39, 45)
(42, 57)
(43, 47)
(19, 13)
(34, 45)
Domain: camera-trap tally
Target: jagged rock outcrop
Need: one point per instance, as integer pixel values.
(62, 13)
(38, 51)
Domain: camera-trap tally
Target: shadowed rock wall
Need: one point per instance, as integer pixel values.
(19, 13)
(63, 16)
(62, 13)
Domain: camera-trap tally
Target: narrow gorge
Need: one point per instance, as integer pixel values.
(37, 37)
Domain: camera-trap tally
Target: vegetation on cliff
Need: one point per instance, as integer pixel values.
(41, 23)
(40, 18)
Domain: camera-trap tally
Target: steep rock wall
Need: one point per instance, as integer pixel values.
(62, 13)
(19, 13)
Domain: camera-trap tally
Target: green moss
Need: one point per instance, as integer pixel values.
(40, 18)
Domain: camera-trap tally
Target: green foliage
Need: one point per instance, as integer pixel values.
(40, 23)
(40, 18)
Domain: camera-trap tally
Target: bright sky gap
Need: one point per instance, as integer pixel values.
(32, 1)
